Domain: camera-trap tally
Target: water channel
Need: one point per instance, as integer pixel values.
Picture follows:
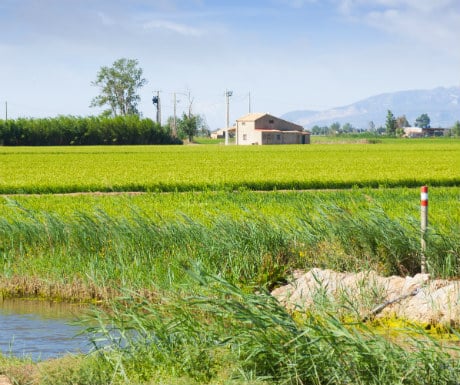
(39, 329)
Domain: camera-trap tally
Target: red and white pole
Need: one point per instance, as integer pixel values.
(423, 224)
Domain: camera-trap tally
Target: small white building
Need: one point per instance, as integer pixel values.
(262, 128)
(419, 132)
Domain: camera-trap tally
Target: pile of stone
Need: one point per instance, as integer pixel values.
(417, 298)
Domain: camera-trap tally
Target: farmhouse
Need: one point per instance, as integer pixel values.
(262, 128)
(419, 132)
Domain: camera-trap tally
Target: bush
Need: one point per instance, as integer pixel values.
(71, 130)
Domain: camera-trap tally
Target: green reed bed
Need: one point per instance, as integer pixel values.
(214, 332)
(251, 238)
(217, 333)
(444, 206)
(197, 168)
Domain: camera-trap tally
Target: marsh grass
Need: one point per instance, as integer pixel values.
(93, 254)
(217, 325)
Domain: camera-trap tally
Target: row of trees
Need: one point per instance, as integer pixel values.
(71, 130)
(394, 126)
(120, 123)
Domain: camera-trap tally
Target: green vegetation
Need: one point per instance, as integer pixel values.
(183, 276)
(193, 168)
(86, 247)
(119, 85)
(217, 333)
(73, 131)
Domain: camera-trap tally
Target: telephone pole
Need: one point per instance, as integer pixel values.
(156, 101)
(227, 99)
(175, 118)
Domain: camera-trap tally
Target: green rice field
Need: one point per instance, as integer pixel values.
(201, 167)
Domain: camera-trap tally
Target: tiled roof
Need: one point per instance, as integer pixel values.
(251, 117)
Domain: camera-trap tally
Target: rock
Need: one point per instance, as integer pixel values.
(415, 298)
(4, 380)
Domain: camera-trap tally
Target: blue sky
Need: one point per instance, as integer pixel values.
(287, 54)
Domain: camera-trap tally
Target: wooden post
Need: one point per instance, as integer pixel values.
(423, 225)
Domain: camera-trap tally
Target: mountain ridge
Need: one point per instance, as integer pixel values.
(442, 104)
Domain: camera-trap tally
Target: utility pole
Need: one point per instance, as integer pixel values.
(175, 118)
(156, 101)
(249, 109)
(227, 99)
(190, 102)
(6, 111)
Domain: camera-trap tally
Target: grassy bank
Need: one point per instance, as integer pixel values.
(216, 333)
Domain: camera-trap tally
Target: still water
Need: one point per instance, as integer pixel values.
(39, 329)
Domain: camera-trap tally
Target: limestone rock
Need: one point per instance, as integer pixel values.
(416, 298)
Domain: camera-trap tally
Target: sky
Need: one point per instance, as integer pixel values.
(276, 56)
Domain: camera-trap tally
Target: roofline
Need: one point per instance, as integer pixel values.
(285, 131)
(262, 114)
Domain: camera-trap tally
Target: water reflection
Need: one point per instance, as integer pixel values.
(39, 329)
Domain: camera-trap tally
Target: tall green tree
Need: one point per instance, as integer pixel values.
(334, 128)
(401, 121)
(188, 126)
(456, 129)
(347, 128)
(390, 124)
(423, 121)
(119, 86)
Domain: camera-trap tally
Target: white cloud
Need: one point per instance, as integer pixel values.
(426, 22)
(181, 29)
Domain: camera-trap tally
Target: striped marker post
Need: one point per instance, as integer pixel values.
(423, 224)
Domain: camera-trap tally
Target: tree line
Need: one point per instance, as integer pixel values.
(94, 130)
(120, 123)
(394, 126)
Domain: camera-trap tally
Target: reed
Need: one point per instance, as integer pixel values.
(195, 334)
(94, 253)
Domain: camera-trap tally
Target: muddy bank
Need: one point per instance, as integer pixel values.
(368, 295)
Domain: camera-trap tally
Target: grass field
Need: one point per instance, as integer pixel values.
(183, 269)
(197, 168)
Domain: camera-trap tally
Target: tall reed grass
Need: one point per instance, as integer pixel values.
(216, 329)
(105, 252)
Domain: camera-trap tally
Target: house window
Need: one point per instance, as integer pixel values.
(278, 137)
(243, 123)
(271, 121)
(245, 137)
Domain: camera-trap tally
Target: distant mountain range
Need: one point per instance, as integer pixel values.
(441, 104)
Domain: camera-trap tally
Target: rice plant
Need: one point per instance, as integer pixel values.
(206, 167)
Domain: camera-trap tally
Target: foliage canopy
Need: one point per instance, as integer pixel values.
(118, 86)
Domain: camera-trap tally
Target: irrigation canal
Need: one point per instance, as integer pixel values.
(39, 329)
